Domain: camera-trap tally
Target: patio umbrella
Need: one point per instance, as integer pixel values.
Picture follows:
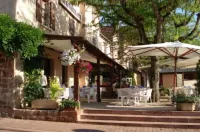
(175, 50)
(191, 62)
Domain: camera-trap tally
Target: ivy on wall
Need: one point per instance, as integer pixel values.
(19, 37)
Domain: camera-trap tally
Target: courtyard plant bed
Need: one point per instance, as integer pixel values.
(185, 102)
(68, 105)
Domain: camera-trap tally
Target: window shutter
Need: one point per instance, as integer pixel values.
(52, 15)
(38, 11)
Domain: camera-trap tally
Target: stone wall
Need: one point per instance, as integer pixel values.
(7, 84)
(47, 115)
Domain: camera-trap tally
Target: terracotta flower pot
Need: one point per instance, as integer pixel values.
(44, 104)
(185, 106)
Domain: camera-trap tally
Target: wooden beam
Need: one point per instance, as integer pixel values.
(98, 80)
(76, 82)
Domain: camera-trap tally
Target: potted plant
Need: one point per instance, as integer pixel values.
(54, 92)
(67, 104)
(69, 57)
(185, 102)
(55, 88)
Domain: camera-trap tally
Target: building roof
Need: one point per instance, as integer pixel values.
(108, 32)
(178, 70)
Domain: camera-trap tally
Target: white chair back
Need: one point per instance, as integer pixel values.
(148, 94)
(119, 92)
(68, 93)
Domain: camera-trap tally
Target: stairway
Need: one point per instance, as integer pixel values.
(161, 119)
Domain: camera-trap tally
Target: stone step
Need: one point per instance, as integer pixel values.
(144, 118)
(143, 124)
(141, 112)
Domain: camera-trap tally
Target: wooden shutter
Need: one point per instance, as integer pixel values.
(38, 11)
(52, 15)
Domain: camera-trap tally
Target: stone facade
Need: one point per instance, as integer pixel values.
(7, 85)
(47, 115)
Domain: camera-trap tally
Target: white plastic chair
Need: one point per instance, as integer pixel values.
(134, 96)
(92, 94)
(67, 93)
(123, 94)
(147, 96)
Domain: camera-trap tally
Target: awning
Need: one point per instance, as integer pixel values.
(91, 50)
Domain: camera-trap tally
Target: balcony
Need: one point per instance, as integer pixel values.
(70, 8)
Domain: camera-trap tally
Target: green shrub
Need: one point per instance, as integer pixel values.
(55, 88)
(181, 97)
(66, 103)
(32, 87)
(164, 91)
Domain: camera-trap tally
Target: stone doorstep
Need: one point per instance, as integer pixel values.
(143, 124)
(20, 130)
(141, 112)
(145, 118)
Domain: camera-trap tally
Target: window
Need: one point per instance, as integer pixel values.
(45, 13)
(189, 76)
(72, 27)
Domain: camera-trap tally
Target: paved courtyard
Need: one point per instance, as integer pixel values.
(15, 125)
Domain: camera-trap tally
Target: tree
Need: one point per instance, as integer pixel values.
(155, 21)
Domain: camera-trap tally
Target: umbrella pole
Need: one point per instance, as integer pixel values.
(175, 74)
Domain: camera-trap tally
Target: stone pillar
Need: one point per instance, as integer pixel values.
(7, 85)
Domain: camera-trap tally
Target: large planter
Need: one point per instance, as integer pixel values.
(185, 106)
(46, 104)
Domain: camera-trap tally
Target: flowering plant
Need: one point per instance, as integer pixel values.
(70, 57)
(85, 67)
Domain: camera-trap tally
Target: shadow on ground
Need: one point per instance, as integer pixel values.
(86, 130)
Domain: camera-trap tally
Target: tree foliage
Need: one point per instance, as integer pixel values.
(19, 37)
(198, 78)
(167, 20)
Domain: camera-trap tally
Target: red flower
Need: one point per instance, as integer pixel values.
(85, 67)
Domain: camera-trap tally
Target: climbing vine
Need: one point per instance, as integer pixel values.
(19, 37)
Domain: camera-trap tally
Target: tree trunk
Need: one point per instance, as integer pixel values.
(154, 79)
